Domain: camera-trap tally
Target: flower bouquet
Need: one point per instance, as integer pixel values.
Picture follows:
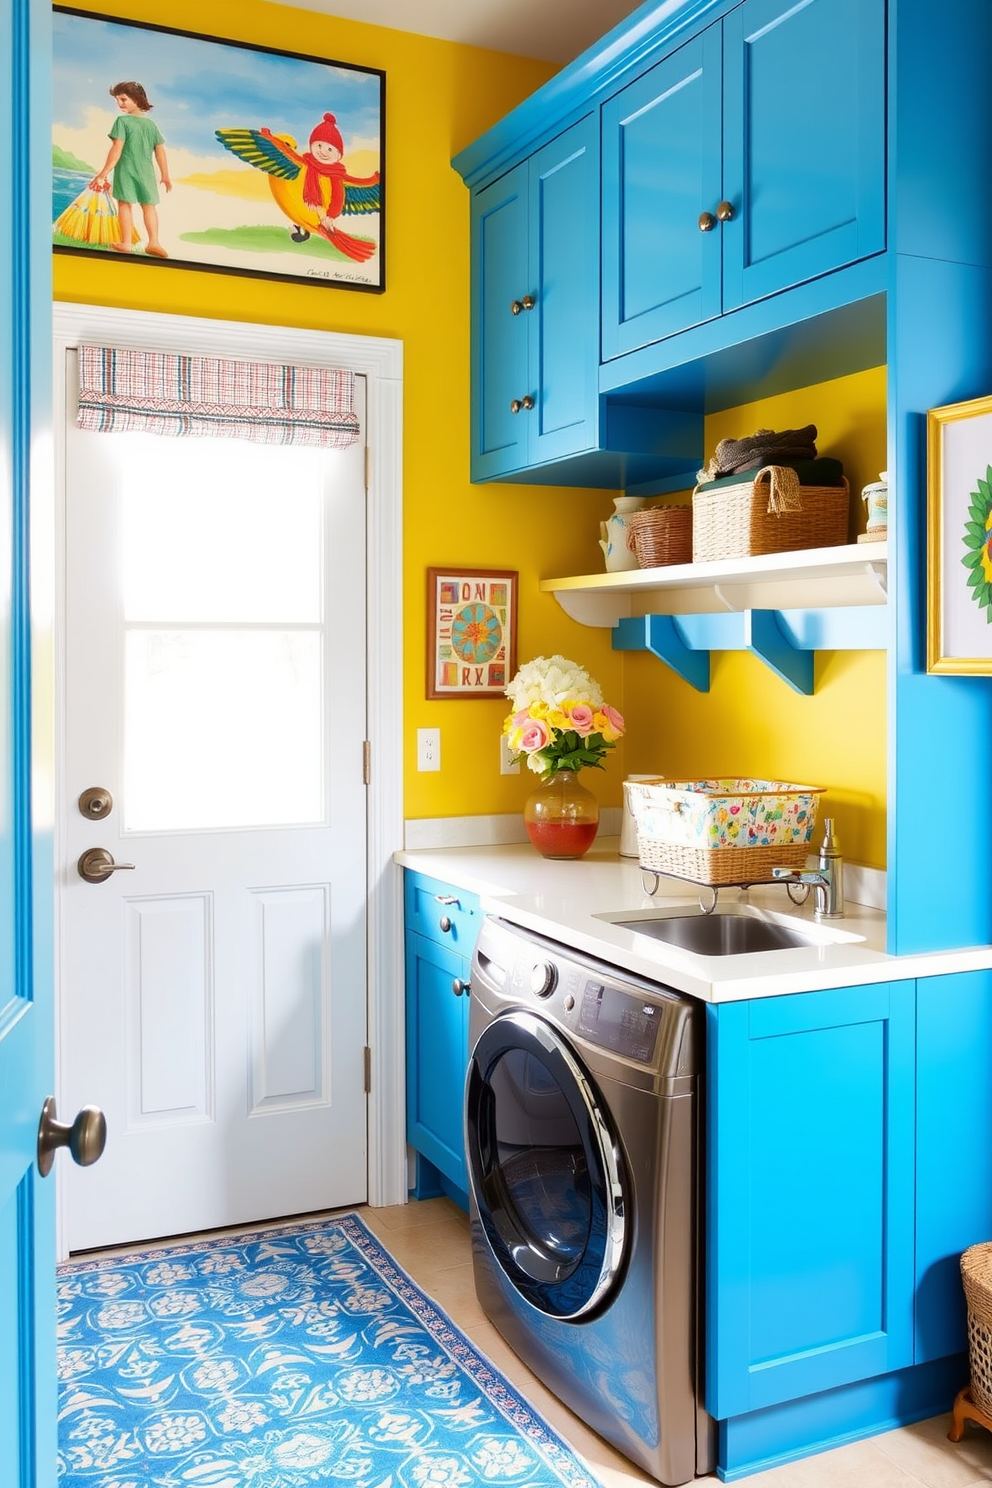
(560, 725)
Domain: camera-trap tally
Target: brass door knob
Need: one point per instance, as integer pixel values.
(725, 212)
(97, 863)
(85, 1138)
(707, 222)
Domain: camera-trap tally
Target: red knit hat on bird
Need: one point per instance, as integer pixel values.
(328, 131)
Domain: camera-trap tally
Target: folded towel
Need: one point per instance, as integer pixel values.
(824, 471)
(765, 447)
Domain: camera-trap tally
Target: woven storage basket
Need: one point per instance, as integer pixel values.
(661, 535)
(976, 1274)
(772, 513)
(722, 831)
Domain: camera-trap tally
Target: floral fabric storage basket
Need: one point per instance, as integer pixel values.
(725, 830)
(770, 513)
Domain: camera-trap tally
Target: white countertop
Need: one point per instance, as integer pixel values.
(565, 901)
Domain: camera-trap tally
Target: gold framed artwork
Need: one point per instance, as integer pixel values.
(471, 631)
(959, 538)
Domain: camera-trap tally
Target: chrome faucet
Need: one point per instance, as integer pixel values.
(827, 879)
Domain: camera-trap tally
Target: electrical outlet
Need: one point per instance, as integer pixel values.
(429, 749)
(507, 764)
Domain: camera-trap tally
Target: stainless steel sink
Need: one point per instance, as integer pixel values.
(719, 934)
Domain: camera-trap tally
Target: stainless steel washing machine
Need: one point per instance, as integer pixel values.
(581, 1111)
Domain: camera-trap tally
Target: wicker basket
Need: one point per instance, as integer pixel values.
(718, 865)
(976, 1274)
(722, 831)
(661, 535)
(772, 513)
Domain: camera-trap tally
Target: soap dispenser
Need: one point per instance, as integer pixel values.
(832, 865)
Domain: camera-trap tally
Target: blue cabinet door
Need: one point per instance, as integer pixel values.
(954, 1150)
(810, 1200)
(535, 319)
(804, 141)
(564, 270)
(661, 169)
(500, 359)
(436, 1054)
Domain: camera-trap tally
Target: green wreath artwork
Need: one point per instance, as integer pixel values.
(978, 542)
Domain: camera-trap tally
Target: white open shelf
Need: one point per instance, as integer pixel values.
(817, 578)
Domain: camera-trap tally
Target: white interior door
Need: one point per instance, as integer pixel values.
(215, 688)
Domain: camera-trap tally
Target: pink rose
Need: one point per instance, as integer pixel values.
(582, 719)
(538, 736)
(521, 718)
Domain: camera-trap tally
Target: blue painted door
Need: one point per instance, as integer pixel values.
(500, 359)
(564, 267)
(804, 141)
(27, 1239)
(810, 1198)
(661, 169)
(954, 1150)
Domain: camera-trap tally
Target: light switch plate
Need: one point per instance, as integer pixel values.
(507, 764)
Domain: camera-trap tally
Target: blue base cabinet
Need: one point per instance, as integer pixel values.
(442, 923)
(810, 1238)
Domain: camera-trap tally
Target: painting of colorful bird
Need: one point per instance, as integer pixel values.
(314, 190)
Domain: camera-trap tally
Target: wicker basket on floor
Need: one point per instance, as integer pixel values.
(771, 513)
(661, 535)
(976, 1274)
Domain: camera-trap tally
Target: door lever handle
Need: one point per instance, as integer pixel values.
(97, 863)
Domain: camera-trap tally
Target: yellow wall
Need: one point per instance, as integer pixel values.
(751, 723)
(439, 97)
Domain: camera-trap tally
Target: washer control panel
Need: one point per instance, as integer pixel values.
(618, 1021)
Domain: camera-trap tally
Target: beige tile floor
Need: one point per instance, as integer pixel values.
(430, 1240)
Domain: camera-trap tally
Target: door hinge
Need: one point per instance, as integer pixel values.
(368, 1069)
(366, 762)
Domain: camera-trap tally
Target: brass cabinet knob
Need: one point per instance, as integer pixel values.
(85, 1138)
(707, 222)
(528, 401)
(518, 403)
(516, 406)
(528, 302)
(725, 212)
(518, 306)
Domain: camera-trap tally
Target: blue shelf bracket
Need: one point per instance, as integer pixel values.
(664, 637)
(765, 637)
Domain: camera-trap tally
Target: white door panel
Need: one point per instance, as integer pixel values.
(215, 685)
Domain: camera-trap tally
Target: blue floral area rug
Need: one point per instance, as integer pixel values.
(281, 1359)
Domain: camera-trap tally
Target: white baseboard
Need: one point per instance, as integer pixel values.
(485, 831)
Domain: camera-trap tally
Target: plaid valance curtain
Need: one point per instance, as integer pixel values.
(160, 393)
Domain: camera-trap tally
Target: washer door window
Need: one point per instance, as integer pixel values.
(545, 1167)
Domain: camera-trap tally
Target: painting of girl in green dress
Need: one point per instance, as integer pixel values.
(274, 168)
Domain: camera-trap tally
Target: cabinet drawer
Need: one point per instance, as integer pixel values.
(442, 913)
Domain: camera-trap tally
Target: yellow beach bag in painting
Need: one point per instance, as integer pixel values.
(92, 218)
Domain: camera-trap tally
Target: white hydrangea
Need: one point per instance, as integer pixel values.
(553, 680)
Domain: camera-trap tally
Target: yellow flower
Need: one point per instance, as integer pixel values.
(557, 719)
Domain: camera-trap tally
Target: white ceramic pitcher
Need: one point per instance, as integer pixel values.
(614, 534)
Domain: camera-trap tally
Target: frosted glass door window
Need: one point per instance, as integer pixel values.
(222, 552)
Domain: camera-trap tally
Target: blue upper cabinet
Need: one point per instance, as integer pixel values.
(804, 141)
(661, 170)
(750, 160)
(535, 272)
